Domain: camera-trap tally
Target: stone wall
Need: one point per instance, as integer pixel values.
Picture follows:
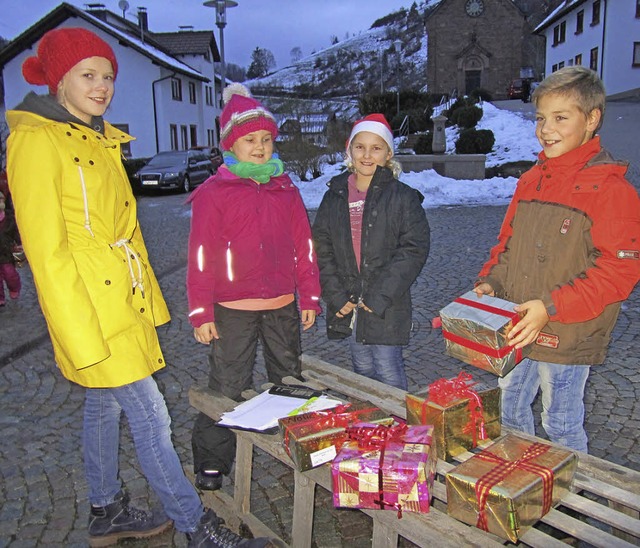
(455, 166)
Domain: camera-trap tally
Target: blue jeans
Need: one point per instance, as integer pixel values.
(149, 421)
(562, 389)
(381, 362)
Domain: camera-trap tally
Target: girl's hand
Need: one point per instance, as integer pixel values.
(206, 333)
(527, 329)
(346, 309)
(308, 319)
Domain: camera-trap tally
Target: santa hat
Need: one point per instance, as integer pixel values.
(373, 123)
(241, 115)
(59, 51)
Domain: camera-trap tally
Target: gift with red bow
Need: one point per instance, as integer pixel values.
(464, 413)
(385, 468)
(313, 438)
(509, 486)
(475, 331)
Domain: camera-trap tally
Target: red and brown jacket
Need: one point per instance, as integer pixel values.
(570, 237)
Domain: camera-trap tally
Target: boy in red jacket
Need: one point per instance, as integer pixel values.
(250, 257)
(569, 252)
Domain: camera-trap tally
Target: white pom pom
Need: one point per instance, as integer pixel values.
(234, 89)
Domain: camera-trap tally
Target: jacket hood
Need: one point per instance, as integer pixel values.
(48, 107)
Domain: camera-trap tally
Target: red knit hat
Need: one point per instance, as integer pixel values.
(373, 123)
(241, 115)
(59, 51)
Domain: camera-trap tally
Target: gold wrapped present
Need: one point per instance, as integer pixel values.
(311, 439)
(475, 331)
(462, 412)
(509, 486)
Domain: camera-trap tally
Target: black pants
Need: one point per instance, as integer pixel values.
(231, 362)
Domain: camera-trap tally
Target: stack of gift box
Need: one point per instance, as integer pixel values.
(378, 462)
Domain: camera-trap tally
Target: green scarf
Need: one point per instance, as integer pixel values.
(261, 173)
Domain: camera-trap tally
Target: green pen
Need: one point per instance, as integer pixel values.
(302, 408)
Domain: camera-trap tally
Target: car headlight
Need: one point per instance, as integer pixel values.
(171, 175)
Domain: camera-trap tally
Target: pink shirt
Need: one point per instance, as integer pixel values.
(356, 209)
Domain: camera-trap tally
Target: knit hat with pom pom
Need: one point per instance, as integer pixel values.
(59, 51)
(242, 114)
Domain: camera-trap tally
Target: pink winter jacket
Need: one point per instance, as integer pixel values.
(249, 241)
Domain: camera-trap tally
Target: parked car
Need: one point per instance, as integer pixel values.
(214, 155)
(516, 88)
(180, 169)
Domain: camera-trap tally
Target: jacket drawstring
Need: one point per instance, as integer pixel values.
(135, 282)
(87, 219)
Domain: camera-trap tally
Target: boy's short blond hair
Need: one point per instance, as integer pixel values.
(581, 83)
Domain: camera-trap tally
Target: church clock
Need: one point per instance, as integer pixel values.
(474, 8)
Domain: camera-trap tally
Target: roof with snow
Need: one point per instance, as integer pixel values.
(564, 8)
(67, 11)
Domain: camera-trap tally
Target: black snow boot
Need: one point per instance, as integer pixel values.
(108, 524)
(211, 533)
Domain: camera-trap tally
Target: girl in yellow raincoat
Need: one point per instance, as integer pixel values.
(77, 217)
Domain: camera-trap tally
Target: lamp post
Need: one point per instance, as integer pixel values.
(397, 44)
(221, 22)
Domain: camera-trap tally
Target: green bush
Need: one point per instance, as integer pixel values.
(466, 117)
(424, 144)
(460, 102)
(475, 141)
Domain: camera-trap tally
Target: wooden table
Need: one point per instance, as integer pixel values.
(602, 491)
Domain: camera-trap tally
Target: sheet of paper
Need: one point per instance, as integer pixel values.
(263, 411)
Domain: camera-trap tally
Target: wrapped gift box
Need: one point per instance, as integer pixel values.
(462, 412)
(311, 439)
(509, 486)
(389, 468)
(475, 331)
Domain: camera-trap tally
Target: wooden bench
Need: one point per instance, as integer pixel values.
(602, 491)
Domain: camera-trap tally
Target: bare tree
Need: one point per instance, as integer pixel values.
(296, 54)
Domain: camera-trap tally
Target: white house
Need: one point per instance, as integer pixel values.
(601, 34)
(165, 95)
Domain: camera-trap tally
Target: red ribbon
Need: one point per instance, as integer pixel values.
(488, 350)
(504, 468)
(443, 392)
(483, 349)
(336, 417)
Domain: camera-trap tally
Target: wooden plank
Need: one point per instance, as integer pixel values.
(242, 481)
(303, 507)
(610, 516)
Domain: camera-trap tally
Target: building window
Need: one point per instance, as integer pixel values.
(580, 21)
(595, 14)
(636, 54)
(638, 9)
(570, 63)
(173, 136)
(578, 59)
(211, 137)
(192, 93)
(208, 95)
(125, 148)
(560, 65)
(193, 132)
(176, 89)
(559, 33)
(554, 68)
(184, 137)
(593, 60)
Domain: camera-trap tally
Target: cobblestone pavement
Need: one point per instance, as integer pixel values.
(42, 485)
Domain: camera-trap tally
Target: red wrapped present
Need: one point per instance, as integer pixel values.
(462, 412)
(475, 331)
(509, 486)
(382, 468)
(313, 438)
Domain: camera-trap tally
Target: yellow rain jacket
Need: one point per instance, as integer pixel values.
(77, 219)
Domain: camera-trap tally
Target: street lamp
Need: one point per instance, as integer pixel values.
(221, 22)
(397, 44)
